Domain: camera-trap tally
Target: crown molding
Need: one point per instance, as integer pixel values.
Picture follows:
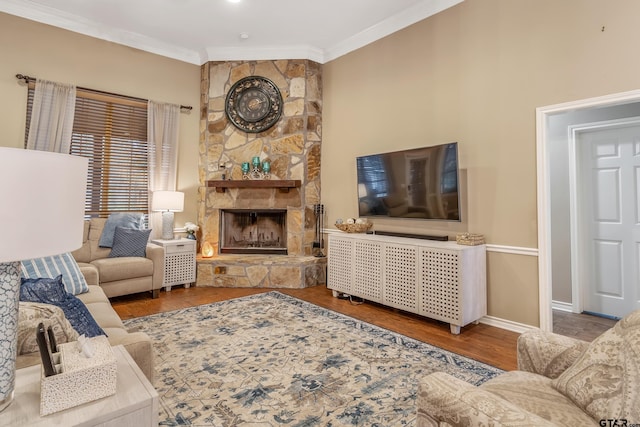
(264, 53)
(389, 26)
(48, 15)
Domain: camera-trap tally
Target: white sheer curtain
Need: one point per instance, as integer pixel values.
(52, 114)
(162, 131)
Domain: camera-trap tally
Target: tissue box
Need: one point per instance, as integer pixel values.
(79, 379)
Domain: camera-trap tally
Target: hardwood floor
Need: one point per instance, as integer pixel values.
(488, 344)
(581, 326)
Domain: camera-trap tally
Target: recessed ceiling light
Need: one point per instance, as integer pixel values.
(234, 1)
(244, 36)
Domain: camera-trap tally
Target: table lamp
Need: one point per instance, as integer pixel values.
(42, 213)
(167, 202)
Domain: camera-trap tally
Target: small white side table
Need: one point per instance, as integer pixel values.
(135, 403)
(179, 262)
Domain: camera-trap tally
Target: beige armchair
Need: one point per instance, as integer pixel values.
(118, 276)
(559, 381)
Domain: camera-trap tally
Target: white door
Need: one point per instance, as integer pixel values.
(609, 218)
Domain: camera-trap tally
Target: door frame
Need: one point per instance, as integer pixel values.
(578, 226)
(544, 194)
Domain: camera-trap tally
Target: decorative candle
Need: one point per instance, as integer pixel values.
(207, 250)
(266, 166)
(245, 167)
(256, 161)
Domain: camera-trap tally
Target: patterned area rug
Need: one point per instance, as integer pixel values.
(274, 360)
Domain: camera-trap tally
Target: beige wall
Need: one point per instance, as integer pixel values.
(42, 51)
(475, 74)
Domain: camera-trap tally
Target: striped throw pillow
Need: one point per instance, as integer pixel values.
(52, 266)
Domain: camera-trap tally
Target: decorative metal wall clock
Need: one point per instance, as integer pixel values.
(254, 104)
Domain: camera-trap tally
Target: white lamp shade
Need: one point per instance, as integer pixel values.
(42, 196)
(171, 201)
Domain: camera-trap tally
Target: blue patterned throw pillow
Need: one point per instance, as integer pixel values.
(52, 291)
(129, 242)
(52, 266)
(119, 219)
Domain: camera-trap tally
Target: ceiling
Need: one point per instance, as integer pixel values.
(198, 31)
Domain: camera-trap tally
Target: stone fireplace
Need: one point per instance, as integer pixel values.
(264, 231)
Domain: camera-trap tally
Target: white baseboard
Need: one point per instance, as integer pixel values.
(506, 324)
(562, 306)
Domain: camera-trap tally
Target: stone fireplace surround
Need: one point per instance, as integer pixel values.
(293, 148)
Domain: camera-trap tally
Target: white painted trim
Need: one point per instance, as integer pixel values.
(202, 54)
(51, 16)
(263, 53)
(543, 185)
(574, 223)
(544, 214)
(562, 306)
(506, 324)
(599, 101)
(515, 250)
(418, 12)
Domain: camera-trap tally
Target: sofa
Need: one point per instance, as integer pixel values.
(109, 277)
(138, 344)
(122, 275)
(559, 381)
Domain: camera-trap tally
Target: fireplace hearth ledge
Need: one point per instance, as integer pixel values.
(260, 271)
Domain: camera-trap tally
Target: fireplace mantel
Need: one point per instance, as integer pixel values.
(282, 184)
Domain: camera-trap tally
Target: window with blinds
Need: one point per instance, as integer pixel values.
(110, 131)
(374, 176)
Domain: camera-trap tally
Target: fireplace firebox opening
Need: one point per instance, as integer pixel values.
(253, 231)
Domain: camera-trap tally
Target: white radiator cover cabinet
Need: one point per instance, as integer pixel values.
(440, 280)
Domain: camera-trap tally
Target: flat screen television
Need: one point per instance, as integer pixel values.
(419, 183)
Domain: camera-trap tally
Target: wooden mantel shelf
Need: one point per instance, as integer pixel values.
(282, 184)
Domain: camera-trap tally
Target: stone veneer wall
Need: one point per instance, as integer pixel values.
(292, 146)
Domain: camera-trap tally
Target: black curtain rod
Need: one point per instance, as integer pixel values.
(28, 79)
